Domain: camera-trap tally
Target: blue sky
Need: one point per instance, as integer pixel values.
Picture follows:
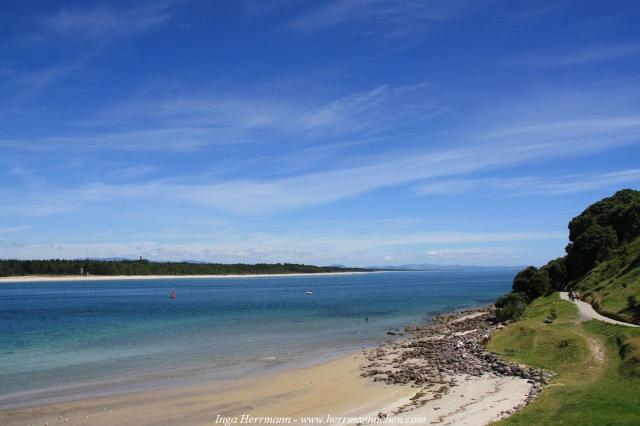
(338, 132)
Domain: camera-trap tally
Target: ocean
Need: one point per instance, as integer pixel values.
(67, 338)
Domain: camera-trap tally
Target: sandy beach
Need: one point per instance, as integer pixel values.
(328, 390)
(49, 278)
(348, 390)
(333, 388)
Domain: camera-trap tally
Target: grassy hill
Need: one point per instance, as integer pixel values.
(598, 366)
(613, 286)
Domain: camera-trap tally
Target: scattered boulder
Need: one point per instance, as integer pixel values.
(447, 346)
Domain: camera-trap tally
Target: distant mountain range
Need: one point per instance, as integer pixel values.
(432, 267)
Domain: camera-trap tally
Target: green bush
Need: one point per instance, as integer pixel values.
(511, 306)
(533, 282)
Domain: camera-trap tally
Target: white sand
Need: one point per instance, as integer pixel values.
(475, 401)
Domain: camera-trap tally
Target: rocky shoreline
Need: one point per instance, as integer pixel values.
(437, 355)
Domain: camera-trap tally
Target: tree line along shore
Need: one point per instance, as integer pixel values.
(62, 267)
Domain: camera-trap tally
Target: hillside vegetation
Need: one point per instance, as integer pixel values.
(613, 287)
(602, 262)
(598, 366)
(145, 267)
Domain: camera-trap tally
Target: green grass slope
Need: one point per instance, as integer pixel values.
(609, 285)
(598, 366)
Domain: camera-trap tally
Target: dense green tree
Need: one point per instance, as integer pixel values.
(620, 211)
(557, 272)
(533, 282)
(594, 245)
(600, 228)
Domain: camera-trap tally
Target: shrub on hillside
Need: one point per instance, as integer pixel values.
(629, 353)
(533, 282)
(511, 306)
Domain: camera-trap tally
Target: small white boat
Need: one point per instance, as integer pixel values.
(309, 292)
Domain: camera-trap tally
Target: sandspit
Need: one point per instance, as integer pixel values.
(47, 278)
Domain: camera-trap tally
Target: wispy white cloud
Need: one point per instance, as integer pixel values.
(128, 172)
(380, 18)
(105, 21)
(103, 234)
(314, 247)
(594, 123)
(186, 123)
(12, 229)
(255, 196)
(362, 110)
(165, 139)
(252, 196)
(528, 185)
(568, 128)
(577, 56)
(100, 25)
(21, 86)
(473, 256)
(376, 109)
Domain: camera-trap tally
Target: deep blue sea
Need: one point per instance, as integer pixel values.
(61, 337)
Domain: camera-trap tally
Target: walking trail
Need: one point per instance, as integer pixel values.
(588, 313)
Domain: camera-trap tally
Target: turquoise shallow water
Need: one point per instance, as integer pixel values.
(56, 335)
